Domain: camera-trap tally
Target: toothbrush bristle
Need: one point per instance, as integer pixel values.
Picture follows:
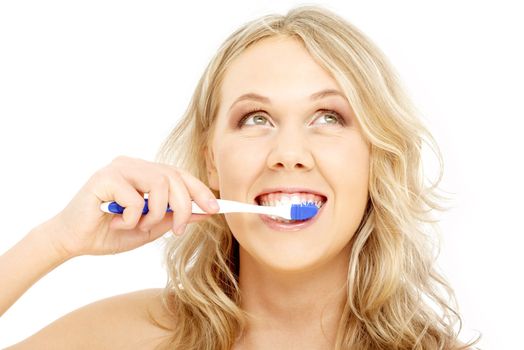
(303, 211)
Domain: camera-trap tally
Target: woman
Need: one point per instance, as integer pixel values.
(298, 105)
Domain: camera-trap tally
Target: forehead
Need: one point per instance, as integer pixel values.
(277, 67)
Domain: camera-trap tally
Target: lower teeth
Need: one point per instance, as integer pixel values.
(284, 221)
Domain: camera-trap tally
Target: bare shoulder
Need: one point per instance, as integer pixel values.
(136, 320)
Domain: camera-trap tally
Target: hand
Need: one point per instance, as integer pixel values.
(82, 228)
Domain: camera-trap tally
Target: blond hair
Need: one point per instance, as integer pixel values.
(396, 299)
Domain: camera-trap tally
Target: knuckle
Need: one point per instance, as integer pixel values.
(179, 171)
(102, 178)
(168, 167)
(173, 172)
(130, 222)
(162, 181)
(137, 203)
(120, 159)
(155, 215)
(135, 216)
(101, 174)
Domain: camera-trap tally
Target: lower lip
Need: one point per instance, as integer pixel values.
(278, 226)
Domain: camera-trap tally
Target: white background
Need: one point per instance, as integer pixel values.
(83, 82)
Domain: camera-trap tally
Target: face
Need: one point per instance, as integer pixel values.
(288, 139)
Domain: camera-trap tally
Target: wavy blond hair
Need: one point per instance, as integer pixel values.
(396, 298)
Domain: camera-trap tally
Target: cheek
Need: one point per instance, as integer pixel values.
(345, 157)
(345, 166)
(237, 165)
(350, 185)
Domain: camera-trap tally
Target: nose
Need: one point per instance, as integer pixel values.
(290, 151)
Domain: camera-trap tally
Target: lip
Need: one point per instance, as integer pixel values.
(289, 190)
(290, 228)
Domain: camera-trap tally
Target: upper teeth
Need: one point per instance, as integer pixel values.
(275, 199)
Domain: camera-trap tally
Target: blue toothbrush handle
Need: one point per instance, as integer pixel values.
(115, 208)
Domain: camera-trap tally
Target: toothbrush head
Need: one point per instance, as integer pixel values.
(303, 211)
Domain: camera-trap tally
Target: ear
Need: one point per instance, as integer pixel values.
(212, 173)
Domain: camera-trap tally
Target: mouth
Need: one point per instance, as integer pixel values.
(277, 198)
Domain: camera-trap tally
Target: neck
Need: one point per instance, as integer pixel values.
(307, 303)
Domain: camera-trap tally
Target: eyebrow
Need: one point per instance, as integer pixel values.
(264, 99)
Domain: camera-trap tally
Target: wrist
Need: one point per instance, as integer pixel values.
(46, 235)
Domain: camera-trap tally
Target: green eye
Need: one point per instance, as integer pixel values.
(258, 119)
(332, 117)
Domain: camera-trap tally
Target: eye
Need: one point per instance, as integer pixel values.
(259, 119)
(253, 113)
(333, 116)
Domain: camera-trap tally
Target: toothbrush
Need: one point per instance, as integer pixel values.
(288, 211)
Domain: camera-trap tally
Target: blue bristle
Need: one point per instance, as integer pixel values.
(303, 211)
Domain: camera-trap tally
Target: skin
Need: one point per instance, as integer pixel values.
(293, 283)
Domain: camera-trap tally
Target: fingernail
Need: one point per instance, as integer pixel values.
(180, 230)
(213, 204)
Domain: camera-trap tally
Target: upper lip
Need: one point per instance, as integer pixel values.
(289, 190)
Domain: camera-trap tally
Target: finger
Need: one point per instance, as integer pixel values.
(139, 173)
(126, 195)
(200, 193)
(165, 224)
(180, 202)
(157, 203)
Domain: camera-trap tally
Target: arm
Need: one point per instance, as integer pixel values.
(25, 263)
(81, 228)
